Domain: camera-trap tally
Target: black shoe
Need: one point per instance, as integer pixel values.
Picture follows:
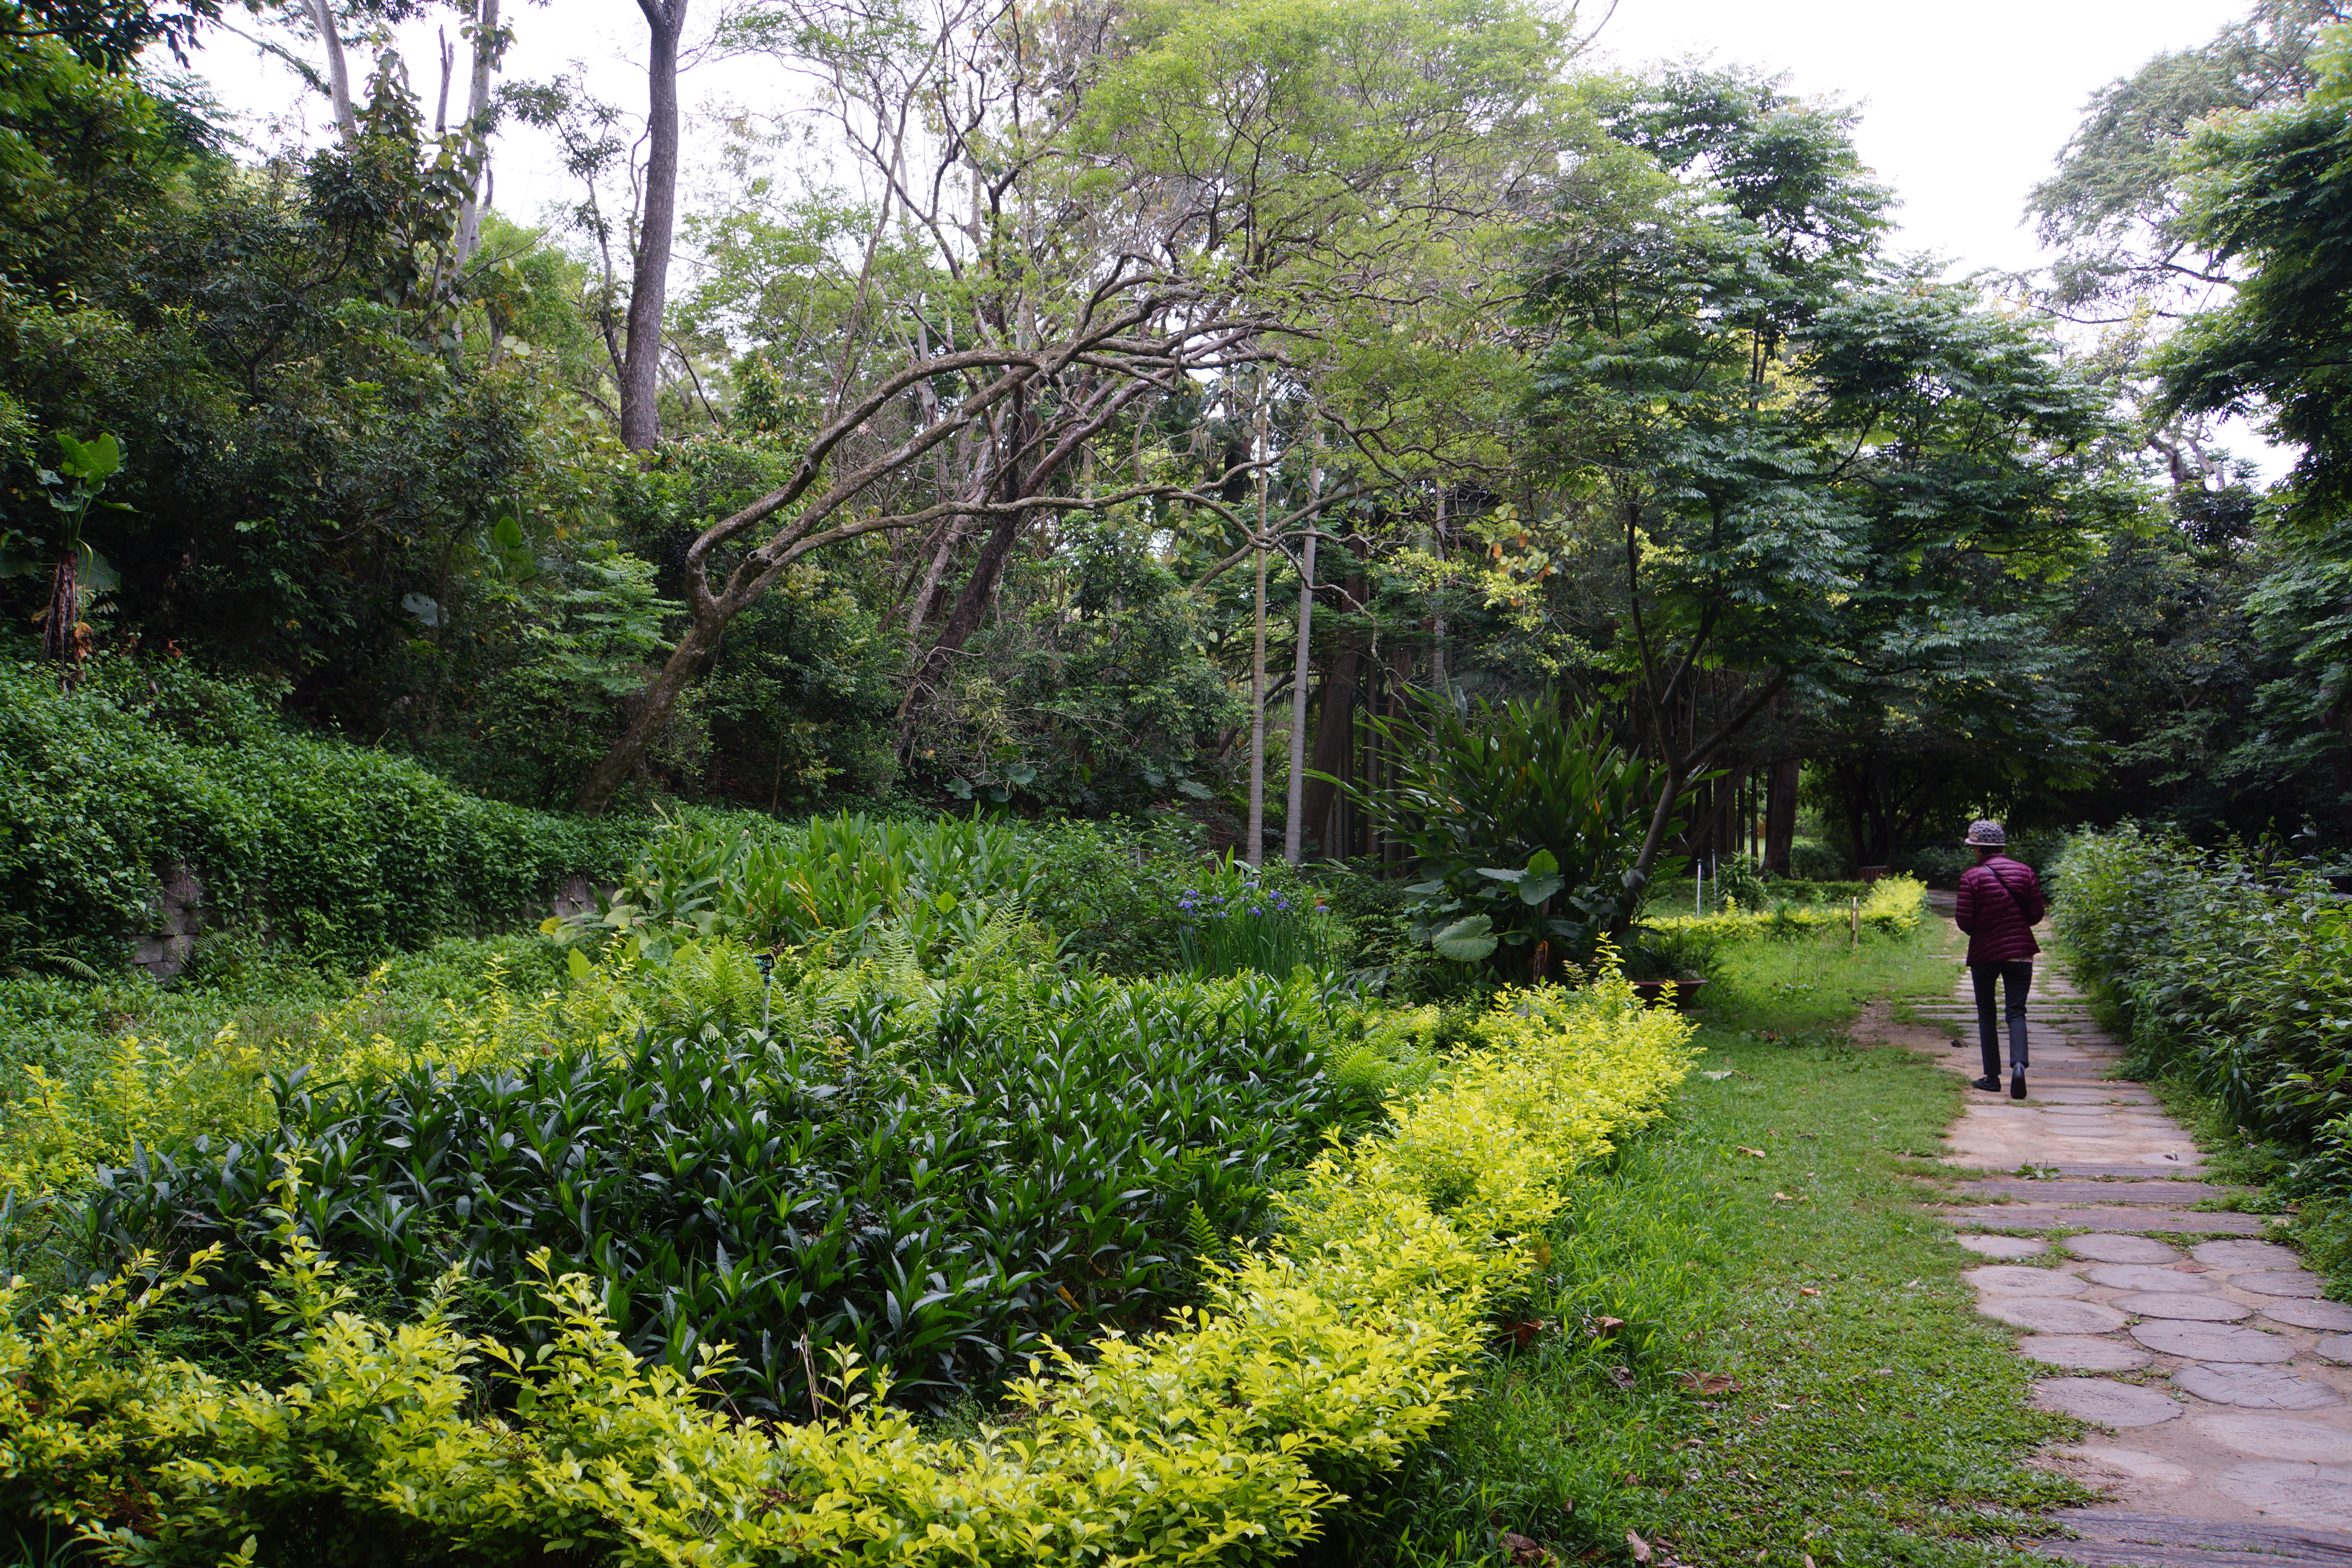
(2017, 1086)
(1989, 1083)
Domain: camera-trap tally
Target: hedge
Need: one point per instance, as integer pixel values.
(343, 850)
(2230, 970)
(1316, 1362)
(1892, 906)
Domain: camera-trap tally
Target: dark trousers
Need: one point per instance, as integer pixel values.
(1988, 977)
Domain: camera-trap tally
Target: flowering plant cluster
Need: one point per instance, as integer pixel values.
(1238, 922)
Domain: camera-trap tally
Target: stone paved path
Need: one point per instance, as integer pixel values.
(2218, 1381)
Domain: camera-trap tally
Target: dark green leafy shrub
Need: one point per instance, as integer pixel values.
(1523, 825)
(937, 1194)
(2232, 969)
(343, 851)
(1811, 860)
(1937, 865)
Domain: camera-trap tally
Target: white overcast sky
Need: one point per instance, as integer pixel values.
(1963, 106)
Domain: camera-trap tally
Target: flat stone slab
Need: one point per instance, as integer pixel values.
(2104, 1402)
(2325, 1315)
(2247, 1255)
(2146, 1192)
(2121, 1536)
(2255, 1387)
(2279, 1282)
(2336, 1347)
(2147, 1276)
(2016, 1246)
(2278, 1437)
(2180, 1307)
(2129, 1464)
(2085, 1352)
(2016, 1216)
(2303, 1494)
(2048, 1315)
(2009, 1279)
(2112, 1248)
(2209, 1341)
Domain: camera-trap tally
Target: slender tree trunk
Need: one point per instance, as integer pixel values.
(338, 75)
(1440, 680)
(64, 639)
(1256, 848)
(1256, 843)
(1332, 733)
(478, 119)
(1780, 815)
(1293, 814)
(649, 288)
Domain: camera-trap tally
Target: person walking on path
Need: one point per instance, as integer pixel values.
(2000, 903)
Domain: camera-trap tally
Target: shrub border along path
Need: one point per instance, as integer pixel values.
(1317, 1363)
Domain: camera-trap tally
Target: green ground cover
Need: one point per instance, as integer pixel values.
(1766, 1234)
(1736, 1334)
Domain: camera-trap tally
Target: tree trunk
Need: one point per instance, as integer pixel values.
(1332, 733)
(647, 713)
(1780, 815)
(64, 639)
(971, 609)
(477, 135)
(1293, 814)
(1255, 850)
(338, 75)
(649, 287)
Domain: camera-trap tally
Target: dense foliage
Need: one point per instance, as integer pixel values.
(334, 847)
(1318, 1361)
(2233, 970)
(937, 1183)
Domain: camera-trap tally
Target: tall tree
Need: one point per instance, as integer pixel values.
(657, 227)
(1111, 207)
(1782, 457)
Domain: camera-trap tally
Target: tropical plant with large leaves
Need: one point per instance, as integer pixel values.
(1524, 822)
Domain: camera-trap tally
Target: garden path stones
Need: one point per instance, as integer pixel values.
(2182, 1308)
(2209, 1341)
(2084, 1353)
(2110, 1249)
(2278, 1437)
(2010, 1280)
(2247, 1255)
(2331, 1316)
(2143, 1277)
(2104, 1402)
(2049, 1315)
(2307, 1494)
(2262, 1464)
(2255, 1387)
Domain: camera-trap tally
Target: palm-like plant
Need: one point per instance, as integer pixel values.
(1524, 826)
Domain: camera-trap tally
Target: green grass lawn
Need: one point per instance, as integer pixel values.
(1766, 1235)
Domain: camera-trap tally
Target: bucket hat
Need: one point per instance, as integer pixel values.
(1987, 833)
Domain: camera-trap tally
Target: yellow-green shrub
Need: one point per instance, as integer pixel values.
(1317, 1360)
(1893, 907)
(152, 1092)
